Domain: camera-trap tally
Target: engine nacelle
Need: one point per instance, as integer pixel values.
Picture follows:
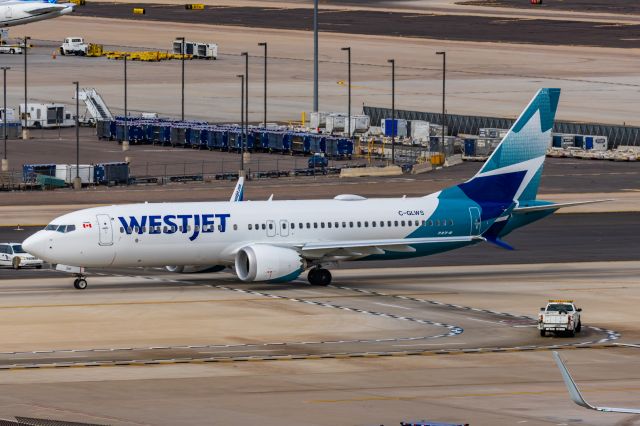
(261, 262)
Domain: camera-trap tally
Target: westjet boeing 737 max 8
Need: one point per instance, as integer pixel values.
(277, 241)
(18, 12)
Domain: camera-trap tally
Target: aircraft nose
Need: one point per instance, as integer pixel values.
(35, 244)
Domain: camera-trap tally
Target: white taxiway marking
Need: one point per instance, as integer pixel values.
(492, 322)
(238, 351)
(431, 344)
(66, 356)
(392, 306)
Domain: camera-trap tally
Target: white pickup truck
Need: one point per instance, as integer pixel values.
(74, 46)
(560, 316)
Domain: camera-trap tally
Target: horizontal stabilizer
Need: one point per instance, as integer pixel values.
(554, 206)
(576, 396)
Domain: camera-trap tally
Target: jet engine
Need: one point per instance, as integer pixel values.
(261, 262)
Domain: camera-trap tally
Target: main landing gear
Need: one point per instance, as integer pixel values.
(319, 276)
(80, 283)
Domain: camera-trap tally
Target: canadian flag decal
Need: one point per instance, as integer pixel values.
(86, 225)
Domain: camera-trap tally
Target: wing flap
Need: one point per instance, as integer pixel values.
(371, 247)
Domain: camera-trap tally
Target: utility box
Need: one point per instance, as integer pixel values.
(11, 115)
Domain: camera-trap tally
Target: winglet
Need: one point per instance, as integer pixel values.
(574, 393)
(238, 192)
(576, 396)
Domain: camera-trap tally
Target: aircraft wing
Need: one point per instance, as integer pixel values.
(371, 247)
(554, 206)
(576, 396)
(44, 9)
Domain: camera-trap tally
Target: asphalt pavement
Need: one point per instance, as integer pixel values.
(443, 27)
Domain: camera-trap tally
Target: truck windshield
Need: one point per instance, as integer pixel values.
(559, 307)
(17, 249)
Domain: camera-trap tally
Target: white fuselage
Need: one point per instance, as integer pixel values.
(212, 233)
(14, 13)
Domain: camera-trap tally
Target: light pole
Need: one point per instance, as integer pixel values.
(246, 89)
(241, 77)
(25, 131)
(182, 50)
(77, 183)
(348, 50)
(125, 142)
(393, 110)
(444, 79)
(315, 55)
(265, 83)
(5, 161)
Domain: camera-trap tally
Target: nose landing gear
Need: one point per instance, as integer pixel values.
(319, 276)
(80, 283)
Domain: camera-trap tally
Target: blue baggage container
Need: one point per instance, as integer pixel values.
(470, 147)
(178, 135)
(345, 148)
(204, 138)
(579, 141)
(234, 139)
(287, 140)
(264, 141)
(557, 141)
(104, 173)
(112, 129)
(275, 141)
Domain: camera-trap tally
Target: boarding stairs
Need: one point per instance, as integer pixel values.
(96, 108)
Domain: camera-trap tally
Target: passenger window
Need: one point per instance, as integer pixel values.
(264, 226)
(373, 223)
(315, 225)
(328, 224)
(395, 223)
(438, 222)
(382, 224)
(284, 225)
(431, 223)
(359, 224)
(337, 224)
(389, 223)
(235, 227)
(417, 223)
(300, 226)
(350, 224)
(293, 225)
(344, 224)
(121, 230)
(308, 225)
(450, 222)
(250, 227)
(402, 223)
(271, 226)
(322, 225)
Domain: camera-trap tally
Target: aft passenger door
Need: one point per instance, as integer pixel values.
(474, 213)
(106, 230)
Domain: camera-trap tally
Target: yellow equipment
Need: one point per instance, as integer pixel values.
(196, 6)
(95, 50)
(138, 11)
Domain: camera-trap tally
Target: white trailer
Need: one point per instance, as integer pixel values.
(196, 49)
(11, 115)
(46, 116)
(11, 49)
(67, 172)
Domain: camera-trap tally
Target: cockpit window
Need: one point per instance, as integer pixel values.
(17, 249)
(61, 228)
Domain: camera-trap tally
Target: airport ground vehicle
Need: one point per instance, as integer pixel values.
(318, 161)
(10, 48)
(559, 316)
(74, 46)
(13, 255)
(196, 50)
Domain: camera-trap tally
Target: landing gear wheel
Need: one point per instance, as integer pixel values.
(80, 283)
(543, 333)
(319, 276)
